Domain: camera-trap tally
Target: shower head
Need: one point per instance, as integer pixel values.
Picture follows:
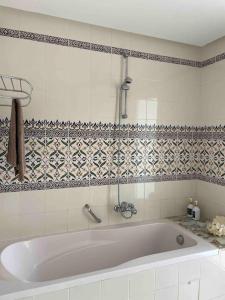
(128, 80)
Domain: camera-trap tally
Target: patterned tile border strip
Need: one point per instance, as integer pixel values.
(40, 128)
(100, 130)
(29, 186)
(107, 49)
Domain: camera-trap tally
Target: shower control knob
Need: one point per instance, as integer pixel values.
(134, 211)
(126, 209)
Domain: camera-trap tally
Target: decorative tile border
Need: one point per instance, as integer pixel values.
(73, 154)
(107, 49)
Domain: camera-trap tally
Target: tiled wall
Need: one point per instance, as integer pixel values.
(75, 84)
(78, 81)
(199, 279)
(212, 112)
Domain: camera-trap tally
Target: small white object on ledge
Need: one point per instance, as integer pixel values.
(217, 226)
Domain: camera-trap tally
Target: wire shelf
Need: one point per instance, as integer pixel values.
(12, 87)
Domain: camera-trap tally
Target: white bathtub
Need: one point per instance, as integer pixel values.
(90, 255)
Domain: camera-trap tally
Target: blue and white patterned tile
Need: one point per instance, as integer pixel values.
(35, 158)
(79, 159)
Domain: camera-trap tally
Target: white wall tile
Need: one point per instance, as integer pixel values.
(189, 291)
(212, 279)
(27, 298)
(115, 289)
(57, 295)
(189, 270)
(142, 285)
(170, 293)
(166, 276)
(85, 292)
(219, 298)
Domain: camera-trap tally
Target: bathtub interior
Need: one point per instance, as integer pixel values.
(64, 255)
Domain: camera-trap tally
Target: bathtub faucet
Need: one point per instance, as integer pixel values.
(126, 209)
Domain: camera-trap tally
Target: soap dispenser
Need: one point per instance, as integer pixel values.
(190, 208)
(196, 212)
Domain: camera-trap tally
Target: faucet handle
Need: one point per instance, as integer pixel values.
(134, 211)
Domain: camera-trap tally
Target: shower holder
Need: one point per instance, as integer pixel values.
(12, 87)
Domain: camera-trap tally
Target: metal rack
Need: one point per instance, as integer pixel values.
(12, 87)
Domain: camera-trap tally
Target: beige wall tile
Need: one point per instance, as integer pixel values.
(56, 222)
(10, 228)
(213, 49)
(32, 202)
(77, 31)
(100, 35)
(102, 213)
(167, 207)
(9, 203)
(78, 197)
(31, 225)
(121, 39)
(10, 18)
(77, 220)
(100, 195)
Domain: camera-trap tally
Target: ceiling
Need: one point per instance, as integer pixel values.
(195, 22)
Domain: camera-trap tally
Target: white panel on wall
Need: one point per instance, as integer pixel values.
(166, 276)
(85, 292)
(170, 293)
(189, 291)
(115, 289)
(58, 295)
(189, 270)
(142, 285)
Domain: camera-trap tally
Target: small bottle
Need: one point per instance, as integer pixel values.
(190, 208)
(196, 212)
